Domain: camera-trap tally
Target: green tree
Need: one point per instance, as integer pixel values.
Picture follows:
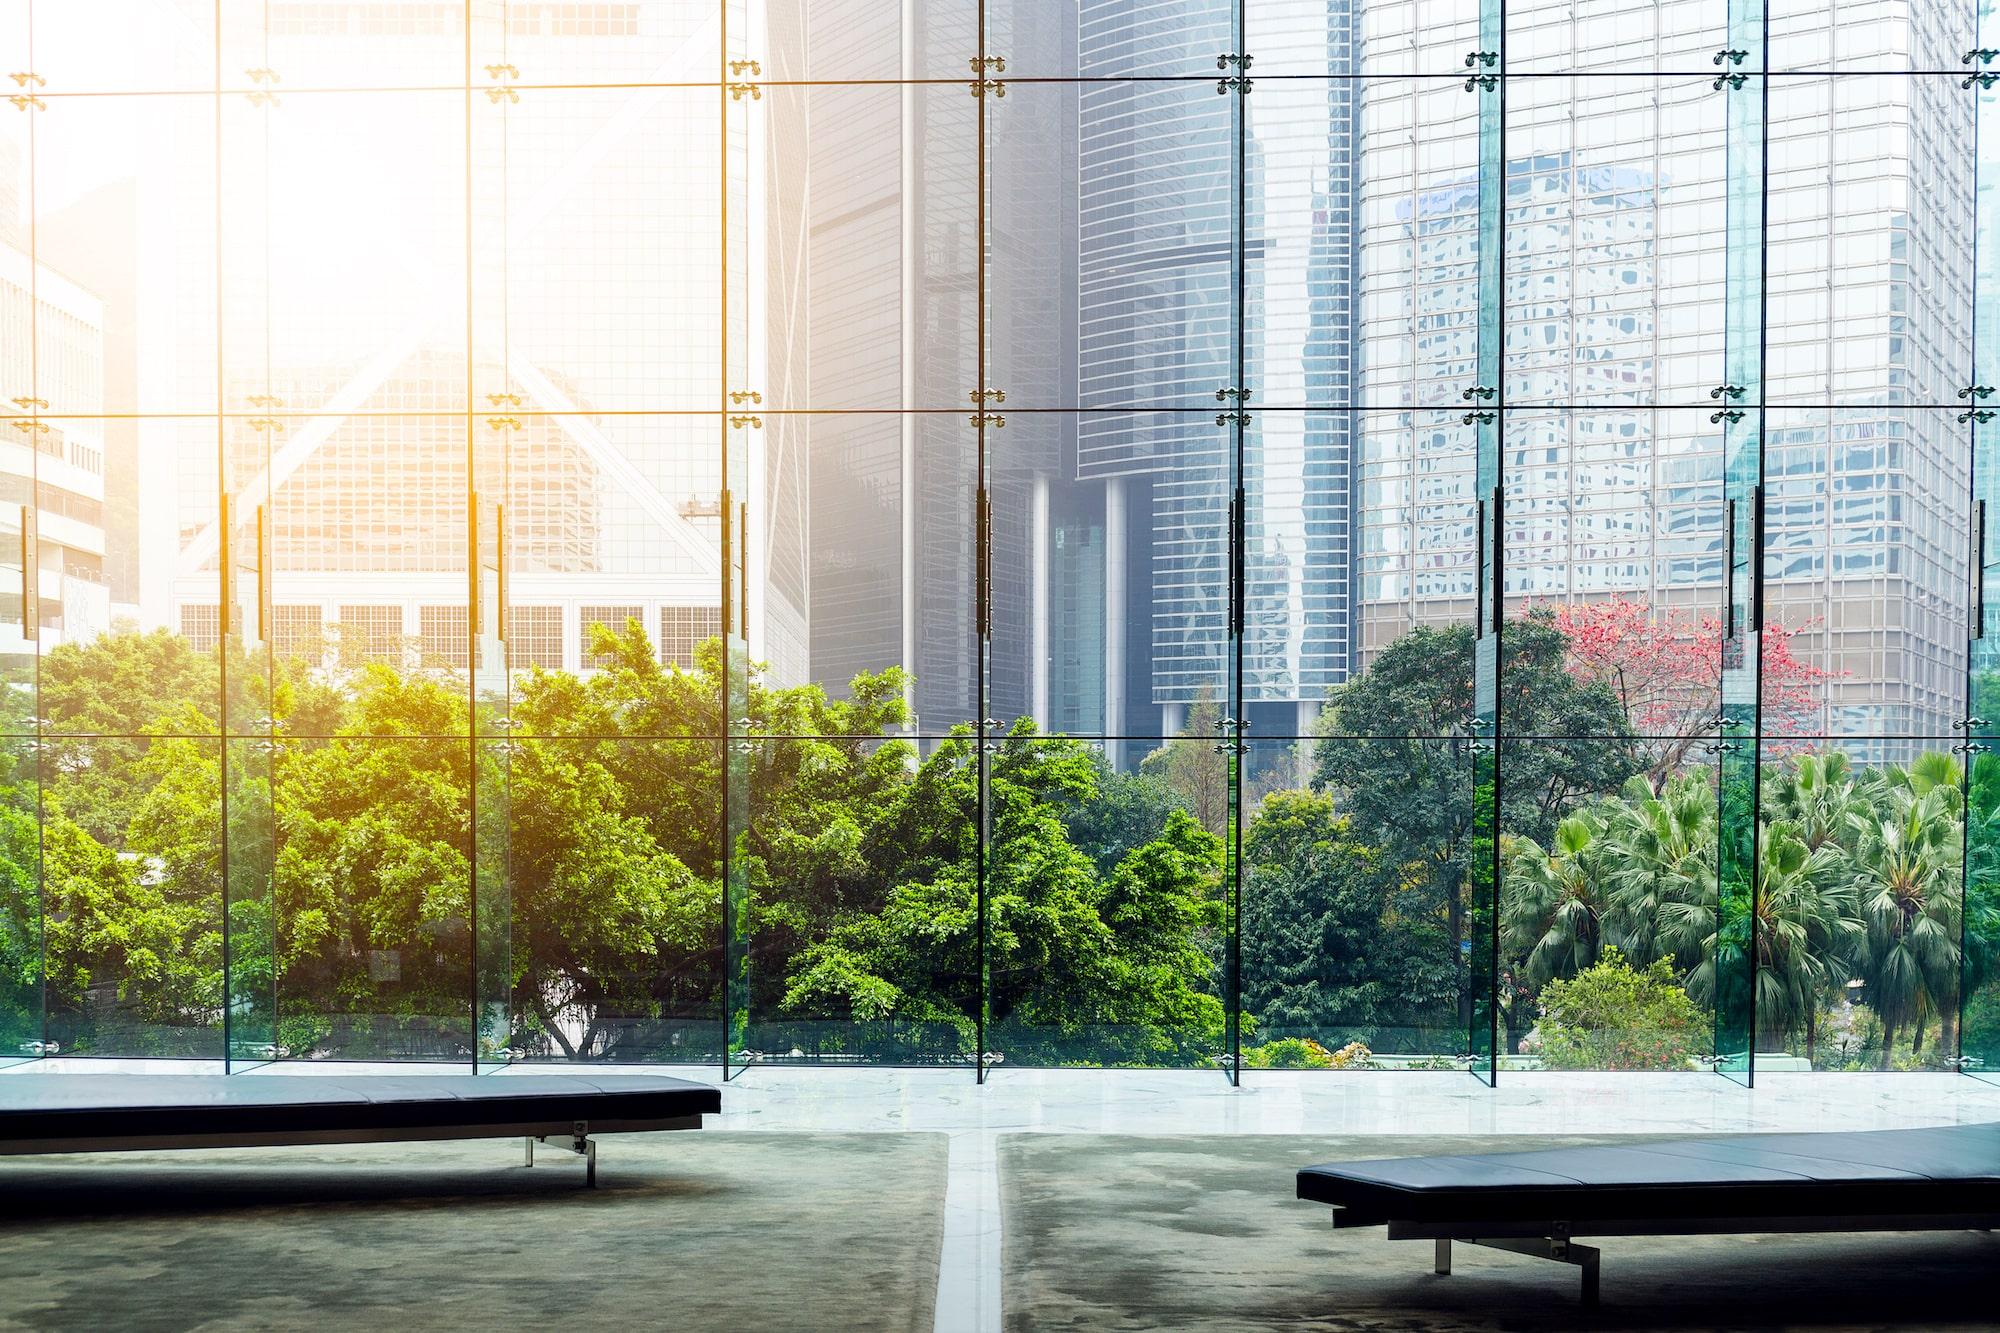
(1613, 1016)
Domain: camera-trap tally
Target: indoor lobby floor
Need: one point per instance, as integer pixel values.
(1135, 1102)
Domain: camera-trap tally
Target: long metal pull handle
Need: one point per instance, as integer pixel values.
(1499, 557)
(1979, 570)
(264, 616)
(472, 618)
(1757, 559)
(743, 566)
(31, 608)
(983, 565)
(500, 572)
(1729, 569)
(226, 576)
(1239, 543)
(727, 509)
(1478, 568)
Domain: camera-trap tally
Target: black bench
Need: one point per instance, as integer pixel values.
(57, 1113)
(1536, 1203)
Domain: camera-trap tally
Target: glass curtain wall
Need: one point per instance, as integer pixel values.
(1227, 534)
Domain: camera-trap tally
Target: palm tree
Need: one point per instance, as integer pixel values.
(1816, 793)
(1660, 865)
(1552, 909)
(1905, 865)
(1805, 931)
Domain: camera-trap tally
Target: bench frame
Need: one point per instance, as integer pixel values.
(572, 1136)
(1553, 1240)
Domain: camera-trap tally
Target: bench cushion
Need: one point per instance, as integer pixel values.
(158, 1108)
(1952, 1171)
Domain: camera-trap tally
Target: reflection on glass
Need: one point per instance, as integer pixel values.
(491, 526)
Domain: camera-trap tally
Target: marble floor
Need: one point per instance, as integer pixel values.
(1161, 1102)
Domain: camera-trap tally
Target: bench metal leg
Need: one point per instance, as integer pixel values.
(1441, 1265)
(1557, 1246)
(579, 1143)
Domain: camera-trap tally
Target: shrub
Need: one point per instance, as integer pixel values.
(1289, 1053)
(1611, 1016)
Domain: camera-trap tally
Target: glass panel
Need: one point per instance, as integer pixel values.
(1378, 39)
(355, 302)
(1741, 396)
(1870, 239)
(616, 869)
(1860, 902)
(595, 241)
(492, 790)
(857, 930)
(161, 46)
(1361, 276)
(1093, 40)
(1356, 933)
(1619, 37)
(1607, 909)
(1865, 561)
(369, 556)
(1107, 921)
(250, 912)
(538, 45)
(1147, 203)
(861, 41)
(374, 876)
(1844, 35)
(1613, 570)
(1487, 396)
(124, 206)
(133, 904)
(860, 282)
(890, 517)
(1110, 583)
(1614, 288)
(22, 1034)
(1980, 979)
(269, 44)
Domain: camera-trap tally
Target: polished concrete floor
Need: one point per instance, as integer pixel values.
(1146, 1102)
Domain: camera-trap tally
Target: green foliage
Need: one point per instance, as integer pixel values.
(1613, 1016)
(345, 879)
(1288, 1053)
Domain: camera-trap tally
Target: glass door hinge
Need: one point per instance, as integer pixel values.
(502, 75)
(264, 93)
